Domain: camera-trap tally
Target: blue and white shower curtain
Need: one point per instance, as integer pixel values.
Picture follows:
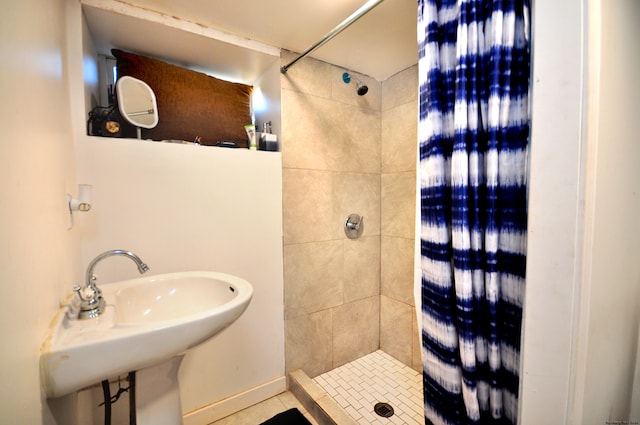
(474, 60)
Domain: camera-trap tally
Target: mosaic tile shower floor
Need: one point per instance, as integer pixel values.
(376, 377)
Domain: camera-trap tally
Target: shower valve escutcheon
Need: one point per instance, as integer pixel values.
(354, 226)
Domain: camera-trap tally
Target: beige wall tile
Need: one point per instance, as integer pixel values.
(362, 130)
(400, 135)
(335, 145)
(355, 330)
(396, 326)
(308, 207)
(312, 136)
(398, 205)
(396, 277)
(313, 277)
(361, 268)
(323, 134)
(356, 193)
(307, 75)
(308, 343)
(400, 88)
(316, 204)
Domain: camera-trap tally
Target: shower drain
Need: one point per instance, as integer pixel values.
(383, 409)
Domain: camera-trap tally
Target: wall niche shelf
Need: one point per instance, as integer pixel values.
(112, 24)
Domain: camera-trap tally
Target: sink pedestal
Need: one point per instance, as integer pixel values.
(158, 394)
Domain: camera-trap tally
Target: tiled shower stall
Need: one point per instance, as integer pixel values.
(342, 154)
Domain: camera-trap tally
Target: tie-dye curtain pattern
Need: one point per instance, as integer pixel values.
(474, 66)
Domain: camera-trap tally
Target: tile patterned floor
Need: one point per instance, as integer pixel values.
(262, 411)
(358, 385)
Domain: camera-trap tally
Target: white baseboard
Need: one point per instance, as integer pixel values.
(220, 409)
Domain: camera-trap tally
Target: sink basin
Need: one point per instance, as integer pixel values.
(147, 321)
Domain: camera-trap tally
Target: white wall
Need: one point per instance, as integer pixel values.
(555, 211)
(38, 256)
(611, 298)
(268, 85)
(185, 207)
(582, 308)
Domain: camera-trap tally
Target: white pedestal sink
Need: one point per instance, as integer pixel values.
(147, 326)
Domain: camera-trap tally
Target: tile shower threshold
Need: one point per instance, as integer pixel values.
(317, 401)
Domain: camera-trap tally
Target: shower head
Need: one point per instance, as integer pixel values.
(361, 89)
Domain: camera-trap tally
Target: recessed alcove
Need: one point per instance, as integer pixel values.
(109, 25)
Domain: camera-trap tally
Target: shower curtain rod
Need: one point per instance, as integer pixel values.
(337, 30)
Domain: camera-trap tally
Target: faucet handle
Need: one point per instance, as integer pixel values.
(88, 293)
(81, 293)
(91, 302)
(78, 290)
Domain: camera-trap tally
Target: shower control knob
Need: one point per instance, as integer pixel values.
(354, 226)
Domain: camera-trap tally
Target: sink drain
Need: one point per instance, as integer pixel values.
(383, 409)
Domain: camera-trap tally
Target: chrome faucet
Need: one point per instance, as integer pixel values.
(92, 303)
